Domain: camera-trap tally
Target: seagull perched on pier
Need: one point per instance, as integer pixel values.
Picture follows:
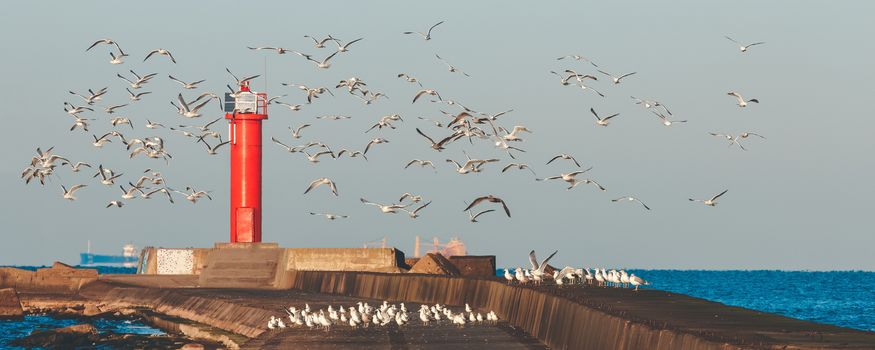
(427, 35)
(538, 268)
(637, 281)
(711, 201)
(322, 181)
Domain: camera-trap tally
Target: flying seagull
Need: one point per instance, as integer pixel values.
(630, 199)
(565, 156)
(489, 198)
(741, 102)
(742, 47)
(602, 121)
(322, 181)
(711, 201)
(161, 52)
(426, 36)
(615, 78)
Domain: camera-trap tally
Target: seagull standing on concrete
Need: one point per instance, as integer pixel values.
(538, 268)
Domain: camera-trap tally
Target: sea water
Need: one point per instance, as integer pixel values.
(841, 298)
(14, 329)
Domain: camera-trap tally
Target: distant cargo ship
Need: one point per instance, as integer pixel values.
(129, 257)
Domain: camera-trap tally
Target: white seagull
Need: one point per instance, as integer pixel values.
(388, 209)
(70, 194)
(711, 201)
(191, 85)
(161, 52)
(615, 78)
(602, 121)
(323, 181)
(743, 47)
(741, 102)
(330, 216)
(427, 35)
(630, 199)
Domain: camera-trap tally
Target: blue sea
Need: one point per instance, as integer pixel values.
(14, 329)
(841, 298)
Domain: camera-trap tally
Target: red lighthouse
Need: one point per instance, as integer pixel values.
(245, 110)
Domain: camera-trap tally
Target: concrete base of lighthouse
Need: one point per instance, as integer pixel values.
(263, 265)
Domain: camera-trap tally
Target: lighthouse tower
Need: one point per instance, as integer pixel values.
(245, 110)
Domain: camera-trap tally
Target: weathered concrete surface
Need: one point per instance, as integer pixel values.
(246, 312)
(344, 259)
(10, 305)
(599, 318)
(242, 267)
(59, 278)
(567, 318)
(474, 265)
(435, 264)
(305, 259)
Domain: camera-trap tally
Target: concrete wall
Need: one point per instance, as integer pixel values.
(558, 322)
(344, 259)
(306, 259)
(59, 278)
(475, 265)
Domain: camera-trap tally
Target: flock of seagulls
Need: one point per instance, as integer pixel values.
(459, 127)
(571, 276)
(363, 315)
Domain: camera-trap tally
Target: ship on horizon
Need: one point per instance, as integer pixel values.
(129, 257)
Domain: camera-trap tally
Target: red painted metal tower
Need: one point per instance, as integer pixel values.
(245, 112)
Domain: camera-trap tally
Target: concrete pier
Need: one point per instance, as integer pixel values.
(566, 318)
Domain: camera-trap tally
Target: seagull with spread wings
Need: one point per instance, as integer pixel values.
(743, 47)
(427, 35)
(630, 199)
(161, 52)
(711, 202)
(491, 199)
(602, 121)
(322, 181)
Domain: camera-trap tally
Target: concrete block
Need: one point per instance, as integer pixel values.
(10, 305)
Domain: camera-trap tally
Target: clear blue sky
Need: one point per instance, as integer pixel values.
(798, 200)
